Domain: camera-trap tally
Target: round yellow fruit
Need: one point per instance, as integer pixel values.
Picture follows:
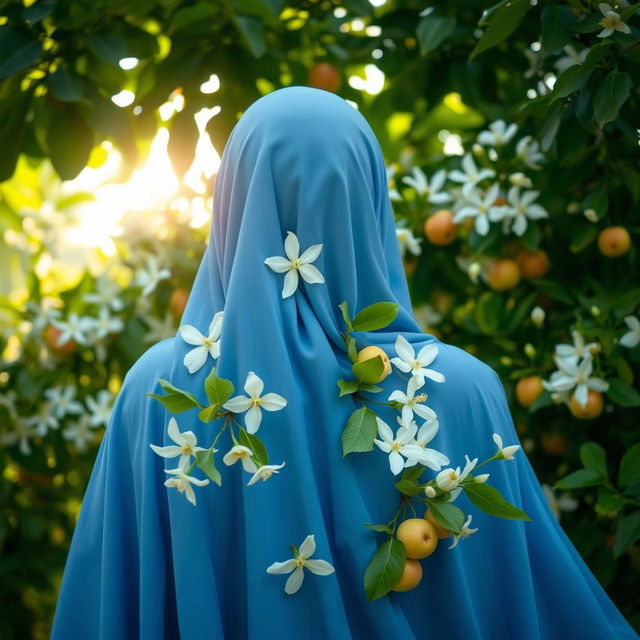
(324, 75)
(503, 275)
(593, 408)
(371, 352)
(533, 264)
(440, 530)
(528, 389)
(419, 537)
(614, 242)
(411, 576)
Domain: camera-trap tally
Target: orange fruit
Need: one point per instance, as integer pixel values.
(503, 274)
(440, 530)
(178, 301)
(324, 75)
(411, 576)
(51, 336)
(614, 242)
(533, 264)
(440, 228)
(554, 443)
(593, 408)
(371, 352)
(528, 389)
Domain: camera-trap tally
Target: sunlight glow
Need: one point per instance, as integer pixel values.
(372, 83)
(124, 98)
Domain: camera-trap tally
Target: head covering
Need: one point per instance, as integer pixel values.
(144, 562)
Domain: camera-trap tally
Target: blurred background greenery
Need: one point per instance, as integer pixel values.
(512, 144)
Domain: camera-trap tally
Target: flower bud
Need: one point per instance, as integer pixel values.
(447, 479)
(537, 316)
(519, 179)
(591, 215)
(474, 271)
(478, 150)
(483, 477)
(506, 361)
(429, 491)
(595, 311)
(573, 207)
(530, 350)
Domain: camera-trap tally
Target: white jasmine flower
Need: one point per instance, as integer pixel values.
(394, 195)
(504, 453)
(299, 562)
(406, 240)
(182, 482)
(43, 420)
(204, 345)
(20, 433)
(632, 337)
(480, 207)
(408, 362)
(572, 58)
(242, 453)
(611, 21)
(470, 173)
(75, 327)
(106, 294)
(185, 445)
(498, 134)
(265, 472)
(412, 403)
(400, 445)
(564, 502)
(295, 263)
(579, 349)
(520, 209)
(429, 457)
(450, 479)
(63, 401)
(464, 533)
(100, 408)
(104, 324)
(255, 402)
(430, 190)
(576, 376)
(149, 277)
(81, 433)
(528, 150)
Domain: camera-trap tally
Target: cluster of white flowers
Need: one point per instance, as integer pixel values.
(475, 196)
(574, 373)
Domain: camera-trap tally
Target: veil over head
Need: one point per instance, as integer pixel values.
(146, 563)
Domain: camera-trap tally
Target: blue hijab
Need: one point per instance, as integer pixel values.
(146, 563)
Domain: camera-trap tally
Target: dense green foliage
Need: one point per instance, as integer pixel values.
(562, 83)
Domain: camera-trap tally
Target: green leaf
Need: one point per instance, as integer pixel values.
(254, 443)
(351, 348)
(379, 527)
(594, 458)
(109, 46)
(574, 78)
(627, 534)
(208, 414)
(370, 388)
(433, 30)
(413, 472)
(582, 235)
(408, 487)
(17, 51)
(375, 316)
(69, 141)
(490, 500)
(347, 387)
(369, 371)
(447, 514)
(65, 84)
(13, 113)
(543, 400)
(359, 432)
(579, 479)
(629, 473)
(385, 569)
(504, 20)
(176, 400)
(206, 462)
(252, 30)
(610, 96)
(344, 307)
(550, 127)
(488, 312)
(622, 393)
(609, 504)
(218, 390)
(556, 30)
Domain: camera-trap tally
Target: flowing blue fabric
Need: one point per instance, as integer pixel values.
(145, 563)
